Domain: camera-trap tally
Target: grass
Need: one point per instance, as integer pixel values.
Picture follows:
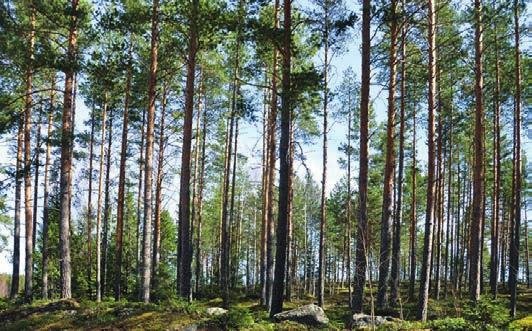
(245, 314)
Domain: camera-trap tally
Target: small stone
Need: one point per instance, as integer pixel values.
(215, 311)
(363, 321)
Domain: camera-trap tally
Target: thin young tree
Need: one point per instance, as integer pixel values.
(99, 204)
(15, 278)
(46, 198)
(516, 178)
(156, 255)
(122, 179)
(495, 225)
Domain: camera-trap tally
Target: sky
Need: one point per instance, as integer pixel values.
(250, 140)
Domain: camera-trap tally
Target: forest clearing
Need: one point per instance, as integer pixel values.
(265, 165)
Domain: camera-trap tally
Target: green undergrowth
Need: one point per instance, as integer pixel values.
(447, 314)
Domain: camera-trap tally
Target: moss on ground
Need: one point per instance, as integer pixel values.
(451, 313)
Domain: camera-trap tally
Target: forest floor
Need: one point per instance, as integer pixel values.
(246, 314)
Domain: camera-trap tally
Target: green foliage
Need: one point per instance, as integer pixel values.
(234, 319)
(487, 314)
(180, 305)
(451, 324)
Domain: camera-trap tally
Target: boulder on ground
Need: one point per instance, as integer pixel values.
(311, 315)
(215, 311)
(362, 321)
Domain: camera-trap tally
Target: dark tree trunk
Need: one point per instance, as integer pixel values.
(323, 205)
(284, 172)
(495, 225)
(185, 264)
(478, 170)
(362, 230)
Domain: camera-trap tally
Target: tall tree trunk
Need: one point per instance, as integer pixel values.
(290, 273)
(122, 179)
(139, 206)
(15, 278)
(271, 167)
(67, 142)
(107, 205)
(495, 225)
(46, 207)
(89, 206)
(264, 217)
(272, 125)
(200, 200)
(449, 198)
(516, 183)
(284, 160)
(185, 270)
(362, 230)
(478, 173)
(225, 234)
(28, 209)
(323, 205)
(389, 168)
(99, 206)
(195, 182)
(156, 256)
(429, 217)
(395, 273)
(438, 209)
(148, 165)
(413, 212)
(348, 205)
(233, 265)
(36, 180)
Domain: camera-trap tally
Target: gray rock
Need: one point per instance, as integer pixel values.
(362, 321)
(215, 311)
(312, 315)
(191, 327)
